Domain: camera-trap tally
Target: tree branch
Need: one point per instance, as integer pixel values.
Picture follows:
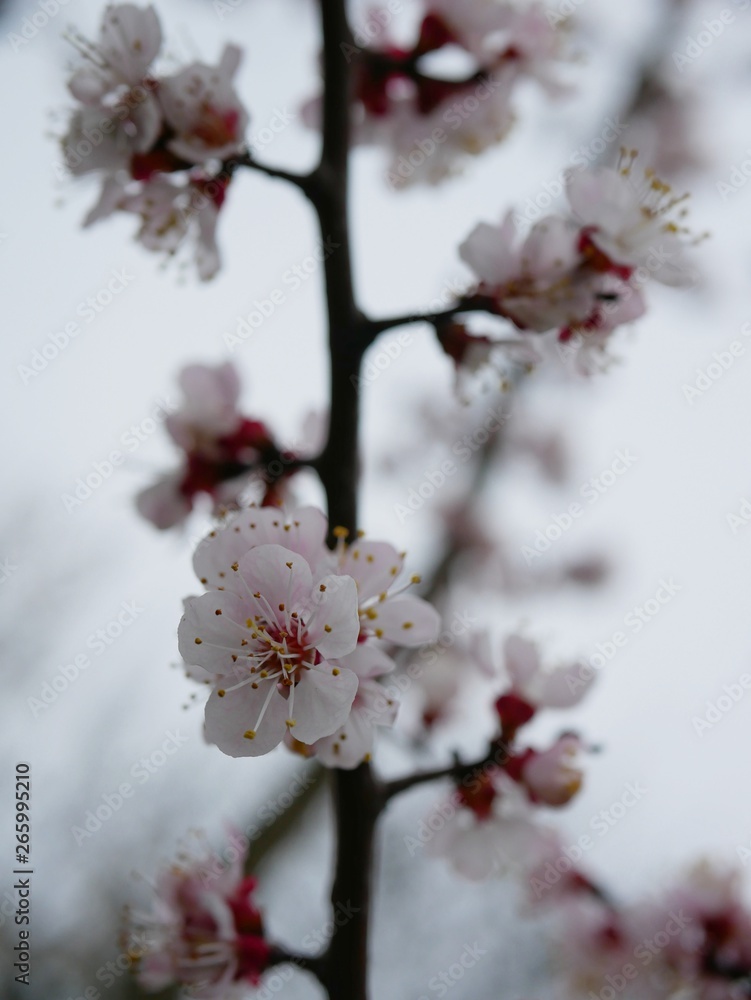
(303, 181)
(465, 304)
(356, 800)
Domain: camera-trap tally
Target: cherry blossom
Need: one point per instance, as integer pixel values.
(489, 828)
(550, 776)
(330, 677)
(373, 706)
(432, 116)
(268, 652)
(386, 611)
(547, 282)
(220, 446)
(532, 686)
(201, 106)
(203, 931)
(158, 142)
(692, 940)
(120, 116)
(628, 223)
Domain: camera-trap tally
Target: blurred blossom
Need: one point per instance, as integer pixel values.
(156, 142)
(203, 931)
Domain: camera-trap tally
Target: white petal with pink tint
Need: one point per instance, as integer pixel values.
(373, 565)
(162, 503)
(302, 531)
(353, 741)
(323, 699)
(281, 576)
(202, 107)
(212, 630)
(406, 620)
(130, 40)
(332, 619)
(231, 716)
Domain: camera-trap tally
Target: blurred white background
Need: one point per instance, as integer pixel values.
(69, 572)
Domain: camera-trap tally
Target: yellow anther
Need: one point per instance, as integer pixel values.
(336, 671)
(407, 625)
(198, 641)
(326, 628)
(249, 734)
(221, 693)
(235, 566)
(340, 532)
(415, 578)
(288, 565)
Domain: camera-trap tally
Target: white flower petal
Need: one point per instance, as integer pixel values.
(373, 566)
(210, 639)
(349, 745)
(368, 661)
(230, 717)
(522, 661)
(333, 620)
(323, 699)
(163, 504)
(130, 40)
(281, 576)
(405, 620)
